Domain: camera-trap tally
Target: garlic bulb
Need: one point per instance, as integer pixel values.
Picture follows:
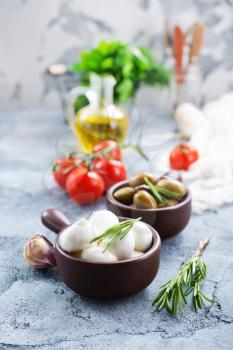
(189, 118)
(142, 235)
(39, 252)
(77, 236)
(97, 254)
(123, 248)
(102, 220)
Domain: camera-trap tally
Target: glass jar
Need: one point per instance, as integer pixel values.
(187, 88)
(101, 119)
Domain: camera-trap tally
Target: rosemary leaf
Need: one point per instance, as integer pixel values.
(116, 232)
(173, 294)
(166, 193)
(154, 191)
(161, 194)
(183, 295)
(205, 297)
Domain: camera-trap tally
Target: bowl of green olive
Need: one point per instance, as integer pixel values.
(163, 203)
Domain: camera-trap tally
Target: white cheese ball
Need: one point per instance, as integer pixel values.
(136, 253)
(142, 235)
(102, 220)
(123, 248)
(97, 254)
(77, 236)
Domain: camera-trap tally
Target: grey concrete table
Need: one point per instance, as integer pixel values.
(37, 311)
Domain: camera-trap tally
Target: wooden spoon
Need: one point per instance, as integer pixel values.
(198, 31)
(178, 46)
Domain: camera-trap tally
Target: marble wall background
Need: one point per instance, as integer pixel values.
(37, 33)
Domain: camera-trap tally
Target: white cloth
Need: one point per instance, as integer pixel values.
(210, 179)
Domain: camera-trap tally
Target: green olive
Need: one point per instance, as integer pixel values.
(140, 179)
(167, 203)
(124, 195)
(174, 186)
(144, 200)
(142, 187)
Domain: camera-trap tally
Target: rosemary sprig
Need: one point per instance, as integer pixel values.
(191, 275)
(160, 193)
(115, 232)
(154, 191)
(167, 193)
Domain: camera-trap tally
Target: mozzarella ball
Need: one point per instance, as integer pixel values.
(97, 254)
(136, 253)
(123, 248)
(142, 235)
(77, 236)
(102, 220)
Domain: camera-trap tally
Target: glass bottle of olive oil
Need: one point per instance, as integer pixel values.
(101, 119)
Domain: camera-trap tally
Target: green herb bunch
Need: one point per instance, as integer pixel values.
(129, 65)
(116, 232)
(161, 194)
(188, 281)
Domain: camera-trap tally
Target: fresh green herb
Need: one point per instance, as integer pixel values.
(115, 232)
(161, 194)
(130, 66)
(191, 275)
(154, 190)
(167, 193)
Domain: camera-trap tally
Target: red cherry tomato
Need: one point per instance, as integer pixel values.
(190, 157)
(62, 167)
(83, 186)
(114, 153)
(111, 170)
(182, 156)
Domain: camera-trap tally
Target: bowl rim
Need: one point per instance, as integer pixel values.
(153, 249)
(110, 198)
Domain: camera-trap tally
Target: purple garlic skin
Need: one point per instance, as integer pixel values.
(39, 252)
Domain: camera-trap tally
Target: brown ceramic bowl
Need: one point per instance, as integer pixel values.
(103, 280)
(167, 221)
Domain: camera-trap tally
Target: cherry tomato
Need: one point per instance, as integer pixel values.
(115, 153)
(190, 157)
(62, 167)
(182, 156)
(83, 186)
(111, 170)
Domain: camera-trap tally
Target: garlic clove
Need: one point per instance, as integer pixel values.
(39, 252)
(142, 235)
(97, 254)
(123, 248)
(102, 220)
(77, 236)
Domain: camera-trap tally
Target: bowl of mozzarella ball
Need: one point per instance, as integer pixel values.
(107, 257)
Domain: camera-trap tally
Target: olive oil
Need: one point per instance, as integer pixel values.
(101, 119)
(93, 125)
